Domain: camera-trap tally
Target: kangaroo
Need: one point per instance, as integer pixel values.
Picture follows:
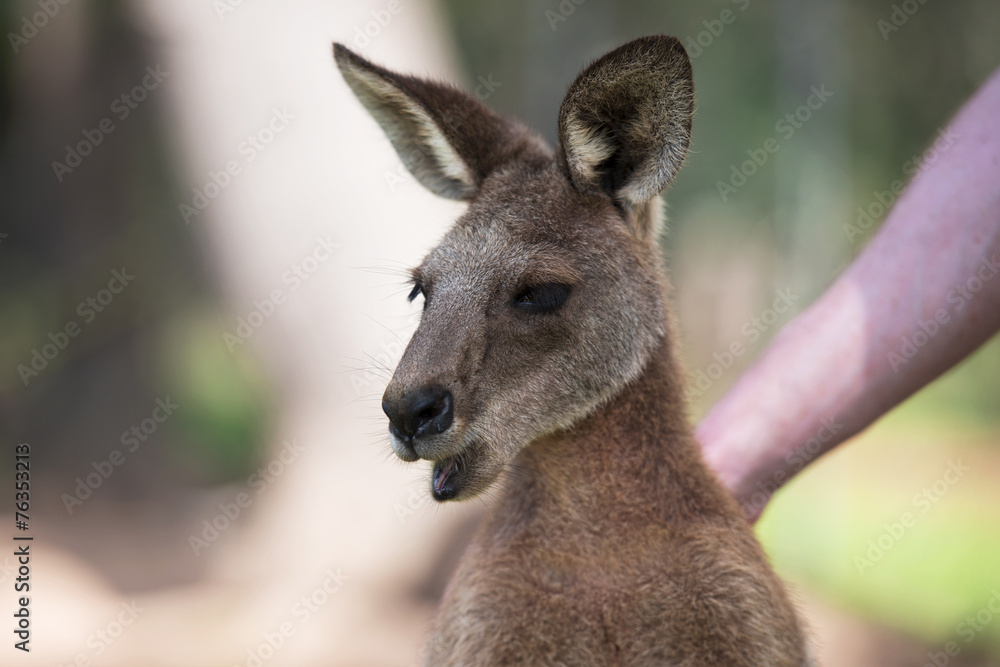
(545, 358)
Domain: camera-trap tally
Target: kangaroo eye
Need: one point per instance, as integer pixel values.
(542, 298)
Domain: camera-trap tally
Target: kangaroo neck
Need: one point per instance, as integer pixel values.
(634, 453)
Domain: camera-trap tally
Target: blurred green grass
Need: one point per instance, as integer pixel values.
(946, 566)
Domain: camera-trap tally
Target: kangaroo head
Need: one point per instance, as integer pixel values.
(546, 297)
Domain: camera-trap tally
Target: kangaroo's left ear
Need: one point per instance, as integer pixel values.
(625, 123)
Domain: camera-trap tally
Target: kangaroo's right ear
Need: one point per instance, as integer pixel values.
(447, 139)
(625, 124)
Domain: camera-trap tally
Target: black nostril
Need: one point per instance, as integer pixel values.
(430, 412)
(426, 411)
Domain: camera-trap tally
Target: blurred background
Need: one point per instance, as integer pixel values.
(202, 247)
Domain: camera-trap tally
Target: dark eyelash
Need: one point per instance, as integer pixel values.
(417, 290)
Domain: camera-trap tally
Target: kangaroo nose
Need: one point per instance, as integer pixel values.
(426, 411)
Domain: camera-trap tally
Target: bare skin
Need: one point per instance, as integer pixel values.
(930, 275)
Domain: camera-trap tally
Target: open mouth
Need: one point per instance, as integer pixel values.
(444, 482)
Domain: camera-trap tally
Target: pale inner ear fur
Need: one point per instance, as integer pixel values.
(392, 108)
(587, 148)
(625, 123)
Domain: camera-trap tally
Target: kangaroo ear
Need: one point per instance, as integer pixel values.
(625, 124)
(447, 139)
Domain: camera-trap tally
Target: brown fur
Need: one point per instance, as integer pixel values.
(611, 543)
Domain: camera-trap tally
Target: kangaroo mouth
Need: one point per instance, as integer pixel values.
(461, 475)
(465, 473)
(445, 479)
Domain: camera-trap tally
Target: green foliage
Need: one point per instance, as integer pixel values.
(227, 408)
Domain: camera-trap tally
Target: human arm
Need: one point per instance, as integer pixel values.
(930, 275)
